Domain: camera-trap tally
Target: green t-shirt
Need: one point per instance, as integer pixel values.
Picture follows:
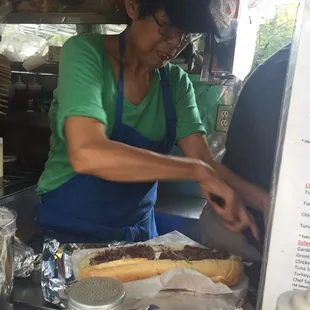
(87, 87)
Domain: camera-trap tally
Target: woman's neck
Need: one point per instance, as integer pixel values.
(131, 59)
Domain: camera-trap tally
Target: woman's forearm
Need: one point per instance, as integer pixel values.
(116, 161)
(252, 195)
(196, 146)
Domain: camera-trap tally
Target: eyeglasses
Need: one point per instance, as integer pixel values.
(170, 32)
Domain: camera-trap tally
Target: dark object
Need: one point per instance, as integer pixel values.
(251, 240)
(251, 142)
(189, 253)
(191, 15)
(137, 251)
(10, 165)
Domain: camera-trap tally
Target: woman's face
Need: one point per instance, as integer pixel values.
(155, 40)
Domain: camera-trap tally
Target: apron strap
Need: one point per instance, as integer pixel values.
(120, 86)
(166, 89)
(169, 106)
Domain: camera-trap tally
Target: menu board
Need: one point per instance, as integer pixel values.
(288, 255)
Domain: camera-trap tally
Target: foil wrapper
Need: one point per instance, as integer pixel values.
(25, 260)
(57, 270)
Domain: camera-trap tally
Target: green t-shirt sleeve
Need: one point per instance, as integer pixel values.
(80, 81)
(187, 113)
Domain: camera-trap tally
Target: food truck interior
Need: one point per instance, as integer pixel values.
(32, 35)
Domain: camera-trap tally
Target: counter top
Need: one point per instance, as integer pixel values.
(179, 204)
(28, 296)
(27, 293)
(11, 185)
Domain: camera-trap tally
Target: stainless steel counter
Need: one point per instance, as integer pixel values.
(28, 296)
(180, 205)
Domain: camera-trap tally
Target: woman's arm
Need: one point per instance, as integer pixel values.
(91, 152)
(196, 146)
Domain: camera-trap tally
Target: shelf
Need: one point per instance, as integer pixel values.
(52, 68)
(65, 18)
(46, 69)
(29, 119)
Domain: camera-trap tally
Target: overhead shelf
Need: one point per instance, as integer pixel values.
(65, 18)
(52, 68)
(45, 69)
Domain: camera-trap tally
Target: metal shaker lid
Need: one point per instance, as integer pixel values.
(97, 294)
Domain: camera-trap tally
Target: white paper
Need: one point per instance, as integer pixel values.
(176, 289)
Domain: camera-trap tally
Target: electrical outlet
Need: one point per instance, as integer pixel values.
(224, 114)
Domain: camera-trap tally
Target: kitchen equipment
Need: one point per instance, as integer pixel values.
(20, 95)
(10, 165)
(97, 294)
(7, 232)
(5, 82)
(34, 90)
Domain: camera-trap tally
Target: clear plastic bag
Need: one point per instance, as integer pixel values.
(18, 47)
(24, 42)
(223, 12)
(5, 9)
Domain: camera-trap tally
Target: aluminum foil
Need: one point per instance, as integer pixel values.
(25, 260)
(57, 273)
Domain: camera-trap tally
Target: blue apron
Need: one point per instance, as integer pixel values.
(90, 206)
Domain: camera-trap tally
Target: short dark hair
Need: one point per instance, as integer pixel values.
(149, 7)
(187, 15)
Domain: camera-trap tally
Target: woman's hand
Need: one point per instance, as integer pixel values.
(244, 220)
(231, 208)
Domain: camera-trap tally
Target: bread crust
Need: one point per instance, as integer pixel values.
(226, 271)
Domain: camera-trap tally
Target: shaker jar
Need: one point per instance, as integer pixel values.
(7, 232)
(20, 95)
(97, 294)
(34, 90)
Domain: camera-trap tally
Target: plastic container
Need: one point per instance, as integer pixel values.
(10, 166)
(294, 300)
(34, 92)
(11, 92)
(20, 95)
(97, 294)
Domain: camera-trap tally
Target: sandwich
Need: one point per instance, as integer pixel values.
(131, 263)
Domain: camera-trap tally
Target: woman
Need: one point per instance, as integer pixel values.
(115, 118)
